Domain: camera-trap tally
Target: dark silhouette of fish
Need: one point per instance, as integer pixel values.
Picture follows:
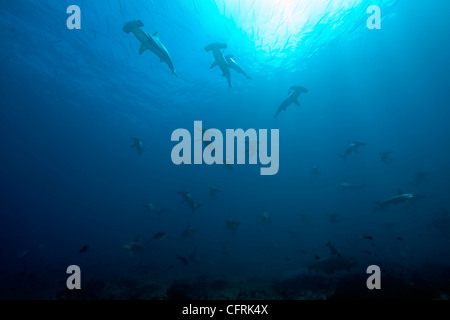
(219, 60)
(233, 65)
(84, 248)
(212, 191)
(400, 198)
(353, 147)
(149, 42)
(421, 177)
(159, 235)
(138, 144)
(182, 259)
(385, 158)
(232, 224)
(315, 171)
(294, 92)
(336, 262)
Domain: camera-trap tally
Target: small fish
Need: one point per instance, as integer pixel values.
(265, 217)
(287, 259)
(333, 250)
(84, 248)
(316, 257)
(232, 225)
(368, 237)
(303, 251)
(182, 259)
(293, 233)
(159, 235)
(399, 238)
(368, 252)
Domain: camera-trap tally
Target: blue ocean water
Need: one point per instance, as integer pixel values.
(71, 99)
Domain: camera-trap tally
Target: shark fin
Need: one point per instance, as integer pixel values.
(296, 102)
(142, 48)
(213, 64)
(136, 239)
(400, 192)
(156, 34)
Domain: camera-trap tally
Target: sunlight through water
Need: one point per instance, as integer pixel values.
(278, 28)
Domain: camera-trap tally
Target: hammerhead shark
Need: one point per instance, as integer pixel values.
(400, 198)
(293, 92)
(219, 59)
(353, 147)
(188, 198)
(138, 144)
(134, 246)
(149, 42)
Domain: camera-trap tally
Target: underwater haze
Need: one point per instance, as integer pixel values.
(87, 169)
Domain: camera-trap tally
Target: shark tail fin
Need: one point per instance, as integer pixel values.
(130, 26)
(215, 45)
